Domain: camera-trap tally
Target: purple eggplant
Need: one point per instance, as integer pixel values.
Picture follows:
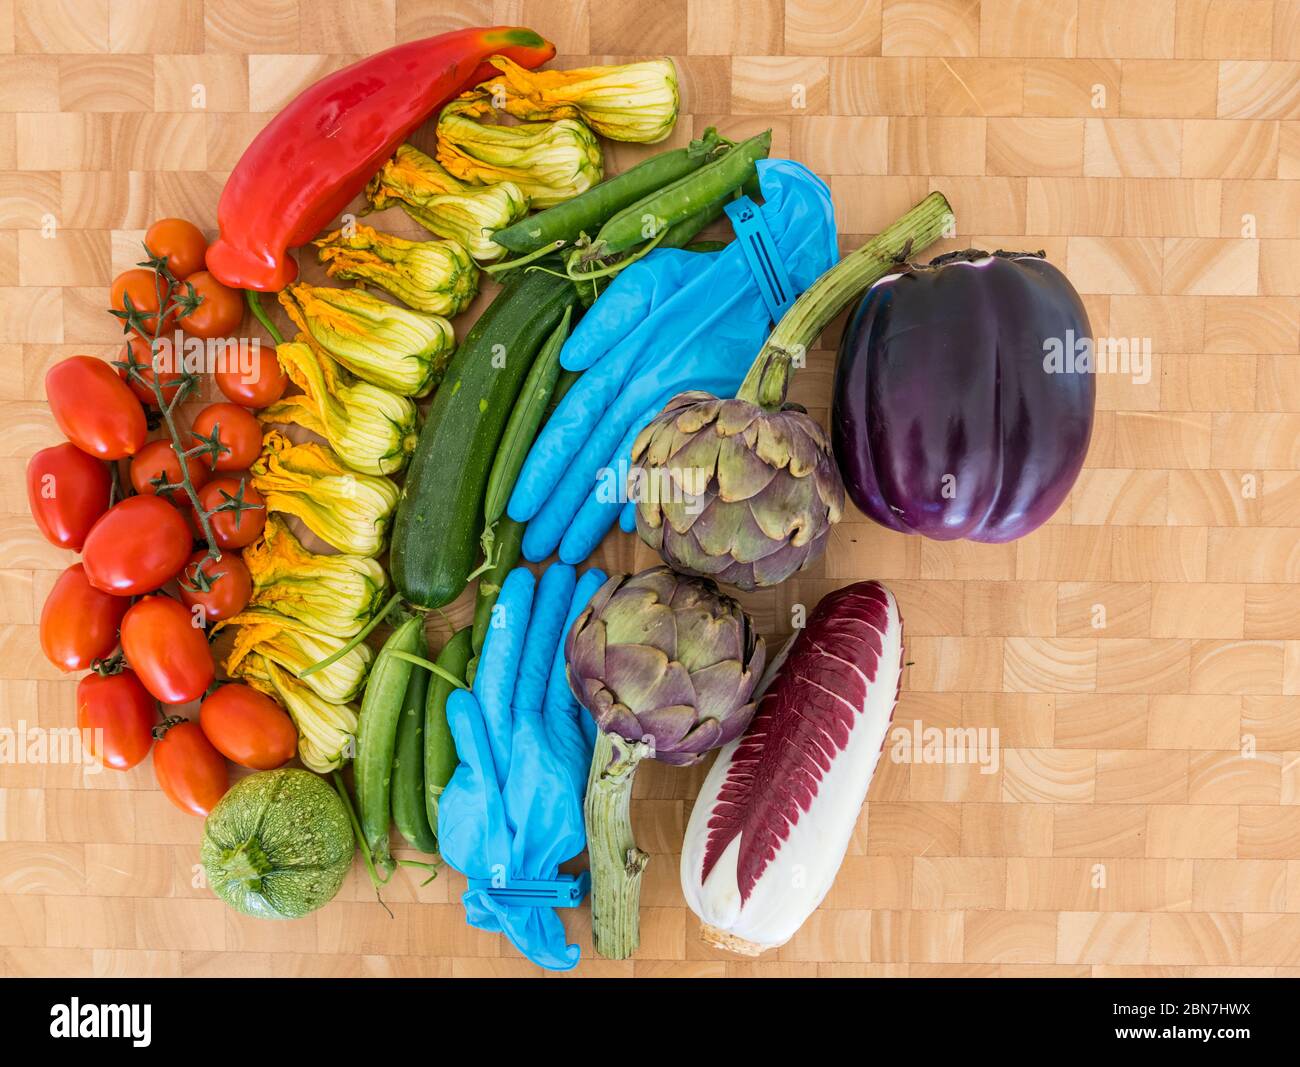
(964, 396)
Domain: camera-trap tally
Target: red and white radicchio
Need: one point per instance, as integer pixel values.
(775, 815)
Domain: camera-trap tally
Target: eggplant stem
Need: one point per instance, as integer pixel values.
(616, 863)
(842, 284)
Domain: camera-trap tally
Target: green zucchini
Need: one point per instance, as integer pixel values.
(440, 513)
(529, 410)
(439, 749)
(381, 707)
(408, 761)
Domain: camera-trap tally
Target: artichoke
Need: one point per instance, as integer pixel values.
(666, 660)
(394, 348)
(467, 214)
(631, 102)
(346, 509)
(336, 594)
(434, 276)
(371, 429)
(550, 161)
(738, 490)
(667, 665)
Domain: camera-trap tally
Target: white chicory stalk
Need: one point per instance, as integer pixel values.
(779, 806)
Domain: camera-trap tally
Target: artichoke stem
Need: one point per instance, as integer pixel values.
(616, 863)
(768, 379)
(799, 327)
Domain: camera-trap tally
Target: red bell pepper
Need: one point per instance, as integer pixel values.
(319, 152)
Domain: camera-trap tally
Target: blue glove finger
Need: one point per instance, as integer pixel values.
(571, 729)
(472, 832)
(543, 805)
(626, 303)
(627, 517)
(551, 603)
(648, 345)
(596, 466)
(564, 436)
(498, 666)
(597, 513)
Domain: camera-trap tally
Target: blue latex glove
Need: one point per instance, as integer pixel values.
(672, 321)
(513, 807)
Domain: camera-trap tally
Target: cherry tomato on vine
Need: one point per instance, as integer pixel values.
(189, 770)
(67, 491)
(221, 311)
(146, 289)
(116, 715)
(94, 408)
(137, 350)
(228, 585)
(166, 649)
(158, 459)
(248, 727)
(78, 622)
(136, 546)
(181, 242)
(237, 429)
(263, 383)
(231, 528)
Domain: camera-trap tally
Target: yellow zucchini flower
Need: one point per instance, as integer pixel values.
(346, 509)
(295, 646)
(371, 429)
(467, 214)
(397, 349)
(333, 594)
(326, 731)
(632, 102)
(550, 161)
(434, 276)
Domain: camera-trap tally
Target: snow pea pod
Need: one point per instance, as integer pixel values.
(587, 211)
(381, 707)
(408, 761)
(667, 206)
(525, 418)
(439, 749)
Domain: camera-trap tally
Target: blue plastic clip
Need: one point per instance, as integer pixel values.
(566, 891)
(764, 257)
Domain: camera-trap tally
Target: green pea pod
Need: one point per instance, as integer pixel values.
(681, 199)
(525, 418)
(507, 541)
(586, 211)
(381, 708)
(408, 761)
(439, 749)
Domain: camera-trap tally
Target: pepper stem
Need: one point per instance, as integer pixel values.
(616, 863)
(838, 287)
